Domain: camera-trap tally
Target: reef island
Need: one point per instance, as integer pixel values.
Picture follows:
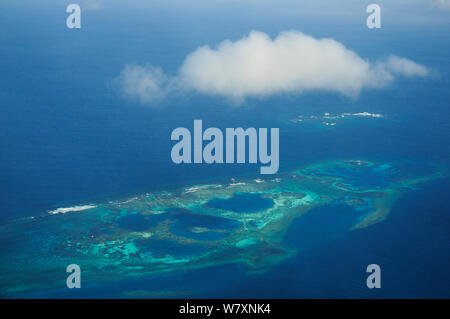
(239, 222)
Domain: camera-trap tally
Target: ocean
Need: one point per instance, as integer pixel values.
(69, 138)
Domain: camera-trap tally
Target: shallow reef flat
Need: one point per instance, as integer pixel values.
(329, 121)
(239, 222)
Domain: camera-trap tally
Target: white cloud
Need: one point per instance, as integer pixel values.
(405, 67)
(145, 83)
(256, 65)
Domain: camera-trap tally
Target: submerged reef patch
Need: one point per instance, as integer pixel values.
(139, 222)
(251, 222)
(242, 203)
(327, 121)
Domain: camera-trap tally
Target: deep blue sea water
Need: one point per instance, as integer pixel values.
(219, 227)
(67, 138)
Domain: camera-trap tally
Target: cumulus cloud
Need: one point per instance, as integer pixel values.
(257, 65)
